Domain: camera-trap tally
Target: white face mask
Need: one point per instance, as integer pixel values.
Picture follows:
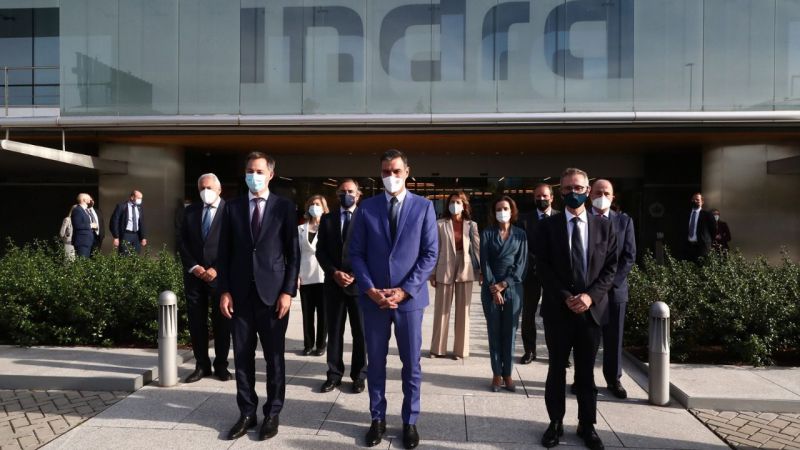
(315, 211)
(602, 203)
(138, 201)
(716, 217)
(393, 184)
(455, 208)
(208, 196)
(503, 216)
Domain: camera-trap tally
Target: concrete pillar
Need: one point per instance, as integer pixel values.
(158, 172)
(759, 207)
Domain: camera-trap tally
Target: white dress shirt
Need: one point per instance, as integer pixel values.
(95, 219)
(352, 209)
(129, 226)
(583, 229)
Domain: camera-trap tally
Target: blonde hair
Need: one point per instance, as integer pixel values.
(310, 200)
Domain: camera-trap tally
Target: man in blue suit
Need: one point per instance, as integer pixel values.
(258, 265)
(83, 227)
(393, 250)
(602, 196)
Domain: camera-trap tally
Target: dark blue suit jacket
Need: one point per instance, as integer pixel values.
(194, 250)
(119, 221)
(406, 263)
(272, 259)
(82, 233)
(626, 255)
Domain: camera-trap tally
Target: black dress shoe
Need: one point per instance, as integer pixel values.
(223, 375)
(241, 426)
(410, 436)
(375, 433)
(590, 437)
(269, 428)
(319, 352)
(306, 351)
(573, 388)
(330, 385)
(618, 390)
(358, 386)
(527, 358)
(197, 375)
(552, 433)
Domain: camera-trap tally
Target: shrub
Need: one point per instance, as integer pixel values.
(106, 300)
(748, 308)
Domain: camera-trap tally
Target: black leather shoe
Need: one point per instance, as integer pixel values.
(223, 375)
(552, 433)
(527, 358)
(306, 351)
(269, 428)
(573, 388)
(410, 436)
(618, 390)
(330, 385)
(358, 386)
(241, 426)
(319, 352)
(590, 437)
(375, 433)
(197, 375)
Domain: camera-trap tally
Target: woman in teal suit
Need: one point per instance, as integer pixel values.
(504, 251)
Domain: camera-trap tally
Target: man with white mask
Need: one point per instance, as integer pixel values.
(198, 250)
(602, 196)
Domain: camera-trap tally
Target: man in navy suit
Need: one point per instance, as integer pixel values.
(702, 229)
(199, 245)
(83, 227)
(127, 226)
(576, 258)
(393, 249)
(602, 196)
(259, 261)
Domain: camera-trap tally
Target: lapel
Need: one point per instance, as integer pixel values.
(383, 217)
(563, 237)
(593, 234)
(198, 224)
(215, 223)
(449, 228)
(335, 223)
(404, 212)
(267, 216)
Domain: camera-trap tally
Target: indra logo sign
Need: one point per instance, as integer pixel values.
(576, 39)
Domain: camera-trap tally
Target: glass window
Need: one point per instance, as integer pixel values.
(787, 55)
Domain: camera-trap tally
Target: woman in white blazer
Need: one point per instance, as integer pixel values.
(312, 278)
(457, 268)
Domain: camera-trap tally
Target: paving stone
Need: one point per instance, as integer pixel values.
(779, 423)
(760, 437)
(791, 430)
(747, 442)
(748, 430)
(768, 416)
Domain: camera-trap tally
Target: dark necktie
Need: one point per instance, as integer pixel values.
(255, 220)
(393, 217)
(347, 216)
(692, 224)
(135, 219)
(578, 274)
(206, 226)
(91, 216)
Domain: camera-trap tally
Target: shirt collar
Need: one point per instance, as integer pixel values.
(581, 216)
(251, 196)
(548, 212)
(598, 213)
(400, 197)
(343, 210)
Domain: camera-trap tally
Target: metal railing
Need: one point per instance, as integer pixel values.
(32, 100)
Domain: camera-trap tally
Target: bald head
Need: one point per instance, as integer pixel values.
(602, 194)
(83, 198)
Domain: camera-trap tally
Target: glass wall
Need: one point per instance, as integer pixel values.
(262, 57)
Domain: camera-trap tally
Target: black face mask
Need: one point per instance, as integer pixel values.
(90, 205)
(542, 204)
(347, 200)
(695, 205)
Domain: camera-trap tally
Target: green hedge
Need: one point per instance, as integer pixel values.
(106, 301)
(747, 308)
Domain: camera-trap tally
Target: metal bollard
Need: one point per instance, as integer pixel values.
(167, 339)
(659, 354)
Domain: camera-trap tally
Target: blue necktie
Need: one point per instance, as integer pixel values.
(692, 224)
(393, 217)
(206, 226)
(346, 224)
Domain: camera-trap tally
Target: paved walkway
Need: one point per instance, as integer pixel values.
(748, 429)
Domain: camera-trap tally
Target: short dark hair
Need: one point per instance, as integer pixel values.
(539, 185)
(391, 154)
(350, 180)
(261, 155)
(511, 203)
(466, 213)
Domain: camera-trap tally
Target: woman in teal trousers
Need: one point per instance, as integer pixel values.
(504, 251)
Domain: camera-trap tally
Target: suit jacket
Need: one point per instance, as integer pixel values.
(194, 250)
(446, 264)
(331, 248)
(530, 222)
(82, 232)
(724, 233)
(119, 221)
(407, 262)
(554, 267)
(271, 260)
(622, 224)
(706, 228)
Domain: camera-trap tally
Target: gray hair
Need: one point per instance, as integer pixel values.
(209, 175)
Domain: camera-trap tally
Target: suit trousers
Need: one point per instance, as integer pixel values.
(441, 318)
(199, 295)
(530, 302)
(612, 343)
(84, 251)
(408, 334)
(312, 300)
(501, 326)
(578, 332)
(253, 319)
(340, 307)
(129, 242)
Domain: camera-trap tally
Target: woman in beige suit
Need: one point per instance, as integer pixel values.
(458, 266)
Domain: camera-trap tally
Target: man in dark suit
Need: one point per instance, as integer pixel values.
(723, 233)
(127, 225)
(83, 227)
(393, 249)
(602, 196)
(97, 217)
(702, 230)
(532, 289)
(259, 262)
(341, 291)
(576, 258)
(198, 250)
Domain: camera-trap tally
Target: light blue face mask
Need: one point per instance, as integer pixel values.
(256, 182)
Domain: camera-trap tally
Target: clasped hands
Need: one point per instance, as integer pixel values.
(207, 275)
(282, 305)
(497, 292)
(387, 298)
(343, 279)
(579, 303)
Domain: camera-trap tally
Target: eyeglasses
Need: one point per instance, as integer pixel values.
(578, 189)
